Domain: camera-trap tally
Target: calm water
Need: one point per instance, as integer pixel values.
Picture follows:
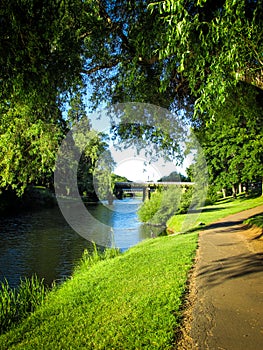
(43, 243)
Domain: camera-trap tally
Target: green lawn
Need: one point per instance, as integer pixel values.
(209, 214)
(131, 301)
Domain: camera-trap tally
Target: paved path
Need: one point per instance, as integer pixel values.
(227, 289)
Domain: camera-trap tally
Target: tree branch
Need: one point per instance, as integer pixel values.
(110, 64)
(253, 78)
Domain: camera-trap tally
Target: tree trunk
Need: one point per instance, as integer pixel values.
(240, 189)
(110, 199)
(234, 191)
(224, 192)
(246, 189)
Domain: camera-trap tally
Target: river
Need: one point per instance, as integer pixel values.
(42, 242)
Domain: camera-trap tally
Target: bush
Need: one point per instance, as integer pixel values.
(161, 206)
(186, 200)
(150, 207)
(167, 203)
(212, 196)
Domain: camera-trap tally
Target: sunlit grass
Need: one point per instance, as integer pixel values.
(212, 213)
(130, 302)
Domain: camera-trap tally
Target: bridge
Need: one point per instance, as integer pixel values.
(122, 188)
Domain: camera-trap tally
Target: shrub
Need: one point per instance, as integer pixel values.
(161, 206)
(212, 196)
(167, 203)
(150, 207)
(185, 201)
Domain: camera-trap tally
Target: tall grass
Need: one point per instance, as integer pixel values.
(17, 304)
(90, 258)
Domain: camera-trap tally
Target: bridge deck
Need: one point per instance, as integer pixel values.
(145, 184)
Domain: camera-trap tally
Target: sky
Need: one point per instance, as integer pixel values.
(134, 166)
(135, 170)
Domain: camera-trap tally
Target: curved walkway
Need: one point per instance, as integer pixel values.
(225, 310)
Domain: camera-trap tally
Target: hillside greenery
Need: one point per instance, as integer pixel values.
(199, 59)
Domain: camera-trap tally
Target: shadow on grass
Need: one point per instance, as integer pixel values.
(236, 266)
(233, 226)
(221, 225)
(208, 210)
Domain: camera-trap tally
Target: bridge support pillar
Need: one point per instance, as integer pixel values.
(146, 193)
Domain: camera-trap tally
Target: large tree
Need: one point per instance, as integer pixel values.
(234, 149)
(214, 44)
(172, 53)
(157, 52)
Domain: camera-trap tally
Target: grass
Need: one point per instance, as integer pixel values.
(256, 220)
(212, 213)
(120, 301)
(17, 304)
(130, 302)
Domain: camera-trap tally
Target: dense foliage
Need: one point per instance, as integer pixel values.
(187, 56)
(233, 141)
(214, 44)
(164, 203)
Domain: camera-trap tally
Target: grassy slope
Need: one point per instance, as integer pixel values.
(130, 302)
(212, 213)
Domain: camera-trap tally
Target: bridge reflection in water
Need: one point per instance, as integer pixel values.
(132, 188)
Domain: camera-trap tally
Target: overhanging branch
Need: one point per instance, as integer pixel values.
(110, 64)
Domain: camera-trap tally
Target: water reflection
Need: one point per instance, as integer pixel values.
(43, 243)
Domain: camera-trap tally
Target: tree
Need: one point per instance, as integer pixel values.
(214, 44)
(28, 141)
(155, 52)
(48, 50)
(39, 61)
(95, 164)
(233, 150)
(174, 177)
(176, 54)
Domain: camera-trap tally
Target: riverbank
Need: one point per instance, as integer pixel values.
(34, 198)
(132, 301)
(128, 302)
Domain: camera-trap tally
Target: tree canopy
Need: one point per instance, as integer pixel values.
(185, 55)
(214, 44)
(154, 52)
(233, 142)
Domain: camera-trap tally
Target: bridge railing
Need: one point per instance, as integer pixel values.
(145, 184)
